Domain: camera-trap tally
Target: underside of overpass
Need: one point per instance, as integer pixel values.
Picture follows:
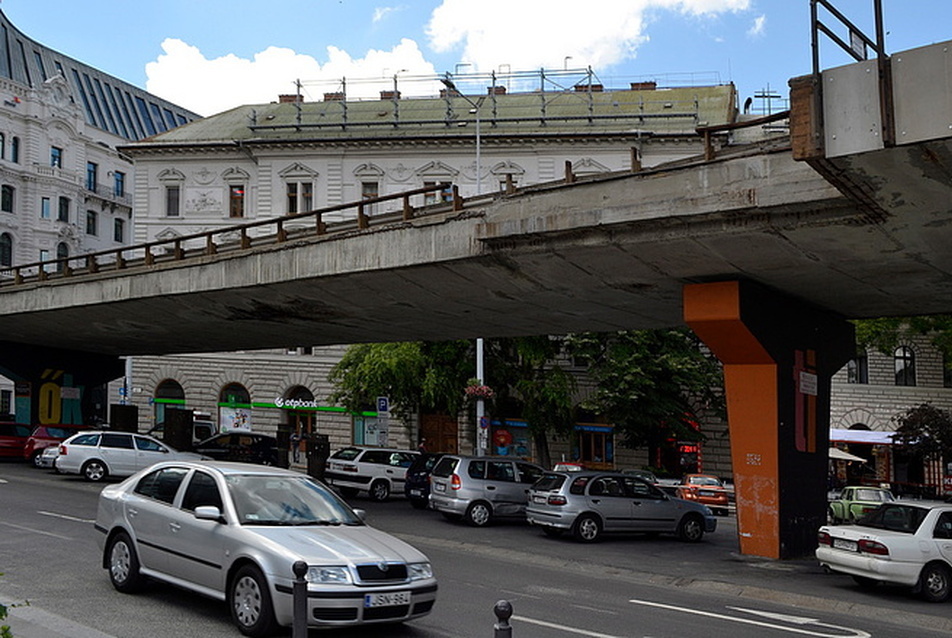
(764, 250)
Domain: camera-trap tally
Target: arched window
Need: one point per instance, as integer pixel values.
(857, 369)
(6, 249)
(234, 407)
(235, 395)
(168, 393)
(905, 361)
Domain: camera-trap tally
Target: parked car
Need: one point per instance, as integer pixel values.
(97, 455)
(44, 436)
(47, 458)
(202, 429)
(13, 438)
(901, 542)
(233, 531)
(481, 488)
(417, 486)
(706, 489)
(378, 471)
(245, 447)
(591, 503)
(855, 502)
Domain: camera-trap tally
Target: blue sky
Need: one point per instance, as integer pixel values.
(211, 55)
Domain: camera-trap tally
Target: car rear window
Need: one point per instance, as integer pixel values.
(445, 467)
(347, 454)
(897, 518)
(549, 482)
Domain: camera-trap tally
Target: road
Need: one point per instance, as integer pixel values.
(621, 587)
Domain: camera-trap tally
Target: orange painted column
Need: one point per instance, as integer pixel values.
(778, 356)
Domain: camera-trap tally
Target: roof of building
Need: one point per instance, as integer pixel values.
(108, 103)
(578, 112)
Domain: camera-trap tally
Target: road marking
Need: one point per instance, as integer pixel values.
(798, 620)
(66, 517)
(36, 531)
(570, 630)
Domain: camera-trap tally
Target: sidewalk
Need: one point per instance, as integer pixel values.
(28, 621)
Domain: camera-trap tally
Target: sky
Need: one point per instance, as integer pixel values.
(212, 55)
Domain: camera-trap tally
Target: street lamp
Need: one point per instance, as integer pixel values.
(481, 433)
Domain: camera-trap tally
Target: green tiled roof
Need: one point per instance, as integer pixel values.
(672, 111)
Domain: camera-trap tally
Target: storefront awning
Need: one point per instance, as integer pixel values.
(869, 437)
(839, 455)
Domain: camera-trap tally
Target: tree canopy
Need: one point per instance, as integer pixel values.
(925, 431)
(886, 333)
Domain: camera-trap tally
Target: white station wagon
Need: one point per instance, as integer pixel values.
(96, 455)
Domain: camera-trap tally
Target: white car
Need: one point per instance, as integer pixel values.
(96, 455)
(234, 531)
(902, 542)
(378, 471)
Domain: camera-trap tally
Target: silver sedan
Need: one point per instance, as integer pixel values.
(232, 531)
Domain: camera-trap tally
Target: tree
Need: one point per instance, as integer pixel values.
(885, 334)
(925, 432)
(652, 384)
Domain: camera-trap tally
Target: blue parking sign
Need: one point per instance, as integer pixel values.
(383, 404)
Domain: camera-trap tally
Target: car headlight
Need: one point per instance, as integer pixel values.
(420, 571)
(321, 575)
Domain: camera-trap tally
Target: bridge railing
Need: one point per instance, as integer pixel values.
(275, 230)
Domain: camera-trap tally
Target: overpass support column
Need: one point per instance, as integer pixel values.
(779, 355)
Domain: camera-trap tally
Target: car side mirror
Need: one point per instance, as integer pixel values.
(362, 515)
(208, 513)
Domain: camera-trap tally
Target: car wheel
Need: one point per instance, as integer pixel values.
(551, 532)
(250, 603)
(865, 582)
(478, 514)
(935, 583)
(379, 491)
(691, 528)
(35, 458)
(95, 470)
(587, 528)
(123, 564)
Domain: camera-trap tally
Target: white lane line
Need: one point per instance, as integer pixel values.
(570, 630)
(854, 633)
(66, 517)
(36, 531)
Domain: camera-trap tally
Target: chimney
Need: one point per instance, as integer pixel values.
(496, 90)
(290, 99)
(337, 96)
(596, 88)
(390, 95)
(644, 86)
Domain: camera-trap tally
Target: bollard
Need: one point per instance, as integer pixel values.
(299, 593)
(503, 611)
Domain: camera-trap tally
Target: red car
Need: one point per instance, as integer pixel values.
(706, 489)
(44, 436)
(13, 438)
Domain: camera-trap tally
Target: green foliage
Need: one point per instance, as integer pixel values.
(650, 383)
(925, 432)
(885, 334)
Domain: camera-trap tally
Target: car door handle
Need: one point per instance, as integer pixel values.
(175, 526)
(596, 500)
(490, 487)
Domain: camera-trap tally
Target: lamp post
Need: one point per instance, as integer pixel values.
(481, 433)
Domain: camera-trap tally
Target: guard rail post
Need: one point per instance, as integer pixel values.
(503, 611)
(299, 593)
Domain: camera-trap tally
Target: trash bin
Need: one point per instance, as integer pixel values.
(284, 444)
(318, 449)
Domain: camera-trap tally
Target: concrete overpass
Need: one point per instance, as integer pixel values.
(763, 250)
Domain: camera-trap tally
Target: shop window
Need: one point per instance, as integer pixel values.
(168, 393)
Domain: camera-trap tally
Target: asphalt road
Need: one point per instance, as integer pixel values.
(620, 587)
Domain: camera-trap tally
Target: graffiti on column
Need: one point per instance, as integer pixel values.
(59, 401)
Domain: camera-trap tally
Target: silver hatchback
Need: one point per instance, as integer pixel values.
(480, 488)
(590, 503)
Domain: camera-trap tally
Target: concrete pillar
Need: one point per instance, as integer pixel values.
(779, 355)
(54, 386)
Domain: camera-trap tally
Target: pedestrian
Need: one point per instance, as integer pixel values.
(296, 447)
(422, 447)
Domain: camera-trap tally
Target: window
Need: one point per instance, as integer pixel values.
(148, 445)
(45, 208)
(62, 252)
(117, 440)
(6, 249)
(173, 194)
(201, 490)
(15, 150)
(300, 197)
(56, 157)
(905, 363)
(370, 190)
(3, 145)
(446, 195)
(92, 170)
(596, 447)
(6, 198)
(119, 230)
(236, 201)
(119, 188)
(63, 215)
(161, 484)
(92, 223)
(857, 369)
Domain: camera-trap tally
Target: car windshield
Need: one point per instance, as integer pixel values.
(287, 500)
(895, 517)
(706, 481)
(873, 495)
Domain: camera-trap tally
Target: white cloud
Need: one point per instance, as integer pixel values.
(183, 75)
(533, 33)
(382, 12)
(757, 29)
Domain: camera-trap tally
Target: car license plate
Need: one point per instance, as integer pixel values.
(707, 493)
(415, 493)
(842, 543)
(538, 498)
(439, 487)
(387, 600)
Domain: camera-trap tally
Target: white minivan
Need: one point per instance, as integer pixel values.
(96, 455)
